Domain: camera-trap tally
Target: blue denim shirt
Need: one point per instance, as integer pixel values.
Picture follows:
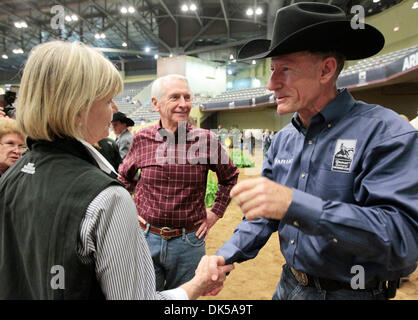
(354, 174)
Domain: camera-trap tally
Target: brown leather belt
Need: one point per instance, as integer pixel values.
(167, 233)
(305, 279)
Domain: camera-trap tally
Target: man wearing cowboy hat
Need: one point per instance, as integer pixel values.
(347, 226)
(120, 124)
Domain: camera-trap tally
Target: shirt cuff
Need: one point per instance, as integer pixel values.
(218, 209)
(304, 212)
(230, 253)
(176, 294)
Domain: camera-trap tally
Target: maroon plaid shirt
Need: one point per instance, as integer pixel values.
(172, 194)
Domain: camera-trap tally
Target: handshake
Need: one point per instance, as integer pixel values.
(209, 277)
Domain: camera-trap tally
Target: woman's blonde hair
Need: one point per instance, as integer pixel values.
(8, 125)
(60, 82)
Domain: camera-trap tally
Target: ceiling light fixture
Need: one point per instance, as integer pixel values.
(73, 17)
(249, 12)
(123, 10)
(184, 8)
(131, 9)
(124, 44)
(193, 7)
(258, 11)
(4, 56)
(20, 24)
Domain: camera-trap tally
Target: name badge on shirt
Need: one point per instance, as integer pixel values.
(343, 155)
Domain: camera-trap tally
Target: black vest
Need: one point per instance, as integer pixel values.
(43, 199)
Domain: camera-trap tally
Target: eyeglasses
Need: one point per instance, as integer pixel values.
(14, 146)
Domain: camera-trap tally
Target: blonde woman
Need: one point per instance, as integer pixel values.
(12, 144)
(74, 224)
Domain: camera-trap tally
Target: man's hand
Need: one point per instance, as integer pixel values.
(215, 291)
(208, 223)
(262, 197)
(209, 277)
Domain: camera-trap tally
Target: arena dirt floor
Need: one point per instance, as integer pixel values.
(256, 279)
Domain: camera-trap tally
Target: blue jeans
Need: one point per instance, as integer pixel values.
(175, 260)
(289, 289)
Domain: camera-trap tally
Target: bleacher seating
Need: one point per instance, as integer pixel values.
(198, 100)
(131, 89)
(239, 99)
(131, 108)
(235, 95)
(126, 107)
(144, 113)
(378, 61)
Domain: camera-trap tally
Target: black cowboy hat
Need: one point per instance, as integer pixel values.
(315, 26)
(120, 116)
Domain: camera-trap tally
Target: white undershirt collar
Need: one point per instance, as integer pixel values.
(101, 161)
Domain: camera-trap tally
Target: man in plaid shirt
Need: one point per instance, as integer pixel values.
(174, 158)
